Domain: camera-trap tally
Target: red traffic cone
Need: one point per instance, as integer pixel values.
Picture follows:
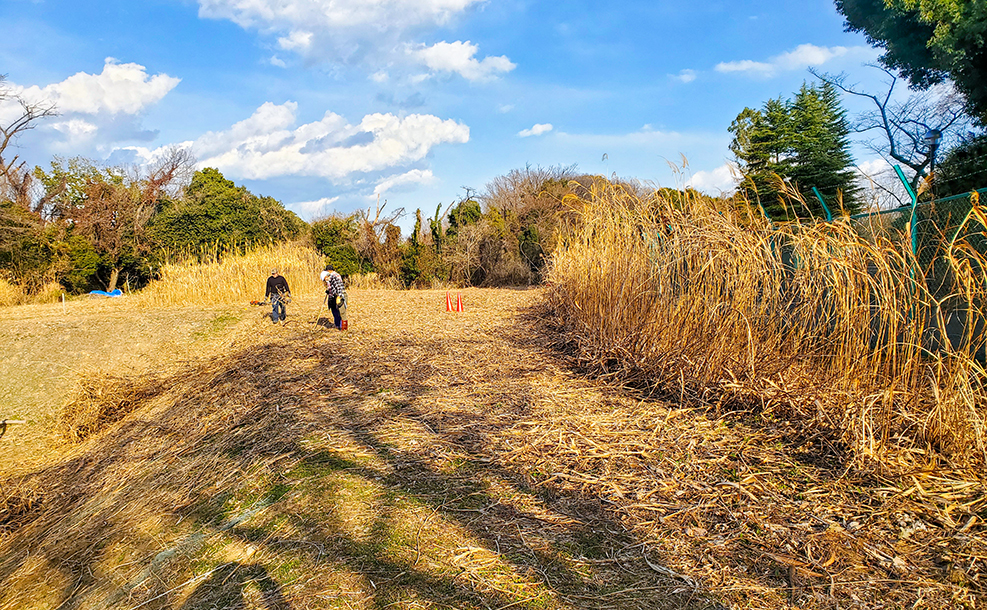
(448, 302)
(459, 302)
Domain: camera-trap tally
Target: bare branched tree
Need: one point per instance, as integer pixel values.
(17, 214)
(374, 241)
(902, 126)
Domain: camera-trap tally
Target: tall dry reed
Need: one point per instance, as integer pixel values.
(813, 322)
(234, 277)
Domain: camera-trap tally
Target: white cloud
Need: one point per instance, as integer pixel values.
(803, 56)
(457, 57)
(415, 176)
(77, 131)
(873, 167)
(379, 77)
(505, 108)
(95, 111)
(685, 76)
(277, 61)
(310, 209)
(536, 130)
(723, 179)
(358, 32)
(118, 89)
(267, 144)
(296, 41)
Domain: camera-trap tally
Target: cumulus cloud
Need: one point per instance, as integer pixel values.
(268, 144)
(118, 89)
(358, 32)
(94, 109)
(536, 130)
(458, 57)
(723, 179)
(803, 56)
(310, 209)
(415, 176)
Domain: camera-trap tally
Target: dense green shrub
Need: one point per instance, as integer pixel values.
(216, 212)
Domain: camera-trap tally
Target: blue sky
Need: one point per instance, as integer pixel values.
(323, 104)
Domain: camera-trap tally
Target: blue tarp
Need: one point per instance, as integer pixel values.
(115, 293)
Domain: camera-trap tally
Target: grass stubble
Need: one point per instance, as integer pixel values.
(426, 459)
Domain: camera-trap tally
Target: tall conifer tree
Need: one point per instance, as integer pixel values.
(803, 142)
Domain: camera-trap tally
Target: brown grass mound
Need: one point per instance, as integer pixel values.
(102, 399)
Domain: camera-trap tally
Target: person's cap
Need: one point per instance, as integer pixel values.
(274, 271)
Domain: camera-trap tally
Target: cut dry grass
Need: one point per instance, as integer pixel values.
(234, 277)
(433, 459)
(100, 400)
(325, 468)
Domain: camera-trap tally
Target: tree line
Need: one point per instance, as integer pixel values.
(82, 225)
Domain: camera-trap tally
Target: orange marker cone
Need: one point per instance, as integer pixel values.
(459, 302)
(448, 302)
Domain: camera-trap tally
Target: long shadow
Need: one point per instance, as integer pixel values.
(227, 584)
(232, 421)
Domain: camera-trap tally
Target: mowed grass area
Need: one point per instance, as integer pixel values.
(298, 467)
(46, 349)
(427, 459)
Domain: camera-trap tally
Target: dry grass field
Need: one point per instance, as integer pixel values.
(426, 459)
(46, 349)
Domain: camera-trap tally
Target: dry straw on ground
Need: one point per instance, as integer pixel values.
(433, 459)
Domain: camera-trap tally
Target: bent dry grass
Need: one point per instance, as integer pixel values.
(811, 321)
(433, 459)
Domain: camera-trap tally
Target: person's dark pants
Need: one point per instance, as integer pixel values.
(277, 308)
(336, 318)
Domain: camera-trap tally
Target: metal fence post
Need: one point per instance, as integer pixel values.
(829, 215)
(912, 224)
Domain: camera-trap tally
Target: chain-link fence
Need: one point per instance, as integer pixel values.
(939, 233)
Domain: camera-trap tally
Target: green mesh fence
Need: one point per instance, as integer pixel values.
(937, 224)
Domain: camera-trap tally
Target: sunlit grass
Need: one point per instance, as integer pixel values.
(234, 277)
(715, 305)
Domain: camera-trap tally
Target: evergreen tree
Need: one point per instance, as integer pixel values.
(796, 145)
(928, 41)
(821, 150)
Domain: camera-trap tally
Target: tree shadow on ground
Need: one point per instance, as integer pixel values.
(221, 449)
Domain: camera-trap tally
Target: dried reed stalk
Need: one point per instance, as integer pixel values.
(813, 321)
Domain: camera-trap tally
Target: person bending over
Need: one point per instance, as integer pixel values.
(335, 293)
